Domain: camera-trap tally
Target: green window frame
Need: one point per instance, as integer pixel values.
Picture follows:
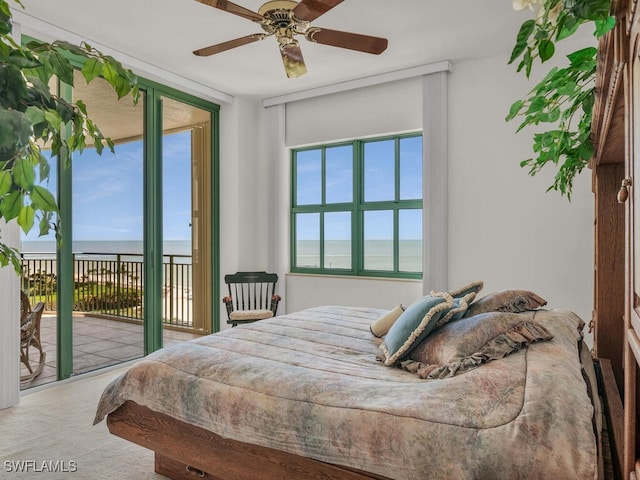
(356, 207)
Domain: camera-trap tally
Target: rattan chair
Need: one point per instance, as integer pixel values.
(251, 297)
(30, 337)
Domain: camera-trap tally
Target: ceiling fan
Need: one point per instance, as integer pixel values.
(287, 18)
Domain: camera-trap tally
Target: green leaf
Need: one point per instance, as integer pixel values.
(5, 182)
(569, 27)
(34, 114)
(526, 29)
(40, 89)
(546, 49)
(43, 199)
(10, 255)
(21, 61)
(13, 86)
(11, 204)
(57, 64)
(24, 175)
(582, 55)
(82, 107)
(91, 69)
(44, 227)
(26, 218)
(588, 9)
(45, 168)
(537, 104)
(53, 119)
(569, 88)
(4, 8)
(69, 47)
(62, 68)
(604, 26)
(514, 110)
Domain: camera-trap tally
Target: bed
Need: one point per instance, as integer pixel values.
(303, 396)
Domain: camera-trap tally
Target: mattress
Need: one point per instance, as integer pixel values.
(309, 383)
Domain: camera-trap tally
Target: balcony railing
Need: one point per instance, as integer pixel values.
(111, 284)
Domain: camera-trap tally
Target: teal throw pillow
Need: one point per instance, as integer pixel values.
(415, 323)
(462, 299)
(458, 309)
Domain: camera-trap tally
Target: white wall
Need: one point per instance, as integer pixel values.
(503, 227)
(371, 111)
(10, 311)
(9, 323)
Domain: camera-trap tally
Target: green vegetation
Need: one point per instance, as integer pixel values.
(565, 97)
(33, 118)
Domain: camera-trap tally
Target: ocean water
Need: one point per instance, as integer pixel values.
(170, 247)
(378, 254)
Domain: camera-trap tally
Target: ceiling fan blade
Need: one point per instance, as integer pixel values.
(292, 59)
(224, 46)
(233, 8)
(352, 41)
(309, 10)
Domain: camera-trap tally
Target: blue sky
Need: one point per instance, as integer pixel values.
(379, 174)
(107, 192)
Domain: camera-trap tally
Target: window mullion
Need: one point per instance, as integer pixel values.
(323, 201)
(322, 212)
(396, 162)
(396, 239)
(396, 209)
(323, 177)
(357, 226)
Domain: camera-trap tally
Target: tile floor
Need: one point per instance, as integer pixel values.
(97, 343)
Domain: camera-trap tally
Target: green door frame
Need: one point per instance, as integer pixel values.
(152, 230)
(152, 211)
(64, 259)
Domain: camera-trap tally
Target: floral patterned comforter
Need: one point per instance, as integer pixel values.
(308, 383)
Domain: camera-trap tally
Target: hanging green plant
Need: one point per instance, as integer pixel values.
(33, 118)
(564, 98)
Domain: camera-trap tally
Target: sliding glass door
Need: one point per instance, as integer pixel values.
(186, 217)
(107, 231)
(139, 226)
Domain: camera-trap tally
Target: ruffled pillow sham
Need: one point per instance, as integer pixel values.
(467, 343)
(514, 301)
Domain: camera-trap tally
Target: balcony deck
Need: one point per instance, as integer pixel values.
(97, 343)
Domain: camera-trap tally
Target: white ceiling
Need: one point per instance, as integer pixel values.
(163, 33)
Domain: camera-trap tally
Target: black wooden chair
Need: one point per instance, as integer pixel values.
(30, 337)
(251, 296)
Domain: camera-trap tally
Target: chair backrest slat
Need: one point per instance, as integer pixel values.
(251, 290)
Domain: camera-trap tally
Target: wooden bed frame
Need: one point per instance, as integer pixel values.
(183, 451)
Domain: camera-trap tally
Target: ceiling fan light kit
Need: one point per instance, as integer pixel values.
(284, 19)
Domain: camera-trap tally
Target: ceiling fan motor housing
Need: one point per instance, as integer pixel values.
(280, 21)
